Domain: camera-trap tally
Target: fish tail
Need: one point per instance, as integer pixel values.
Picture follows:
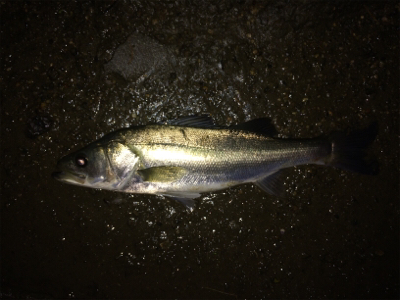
(349, 150)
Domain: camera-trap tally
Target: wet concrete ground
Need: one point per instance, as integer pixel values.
(311, 67)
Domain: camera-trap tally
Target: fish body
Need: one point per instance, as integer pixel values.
(190, 156)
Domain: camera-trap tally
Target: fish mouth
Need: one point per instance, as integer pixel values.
(69, 177)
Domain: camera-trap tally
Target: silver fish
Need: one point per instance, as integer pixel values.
(191, 155)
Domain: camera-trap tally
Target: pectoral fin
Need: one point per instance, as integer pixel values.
(162, 174)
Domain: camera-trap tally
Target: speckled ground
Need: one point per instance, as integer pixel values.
(311, 67)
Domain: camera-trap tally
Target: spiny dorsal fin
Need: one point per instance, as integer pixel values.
(193, 121)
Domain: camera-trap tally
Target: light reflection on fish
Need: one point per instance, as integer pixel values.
(191, 155)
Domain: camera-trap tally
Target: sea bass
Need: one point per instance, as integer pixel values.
(190, 156)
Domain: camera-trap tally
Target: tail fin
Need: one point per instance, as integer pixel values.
(349, 151)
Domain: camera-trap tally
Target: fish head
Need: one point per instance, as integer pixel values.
(108, 165)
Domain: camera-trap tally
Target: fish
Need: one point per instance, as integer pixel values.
(186, 157)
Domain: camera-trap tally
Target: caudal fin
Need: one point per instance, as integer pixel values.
(349, 150)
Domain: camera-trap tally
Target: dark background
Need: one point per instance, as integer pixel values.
(309, 66)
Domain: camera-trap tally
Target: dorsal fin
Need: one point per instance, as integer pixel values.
(262, 125)
(203, 121)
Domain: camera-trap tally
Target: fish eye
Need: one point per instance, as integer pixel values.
(81, 160)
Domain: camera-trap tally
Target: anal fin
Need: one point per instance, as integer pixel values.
(185, 198)
(273, 184)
